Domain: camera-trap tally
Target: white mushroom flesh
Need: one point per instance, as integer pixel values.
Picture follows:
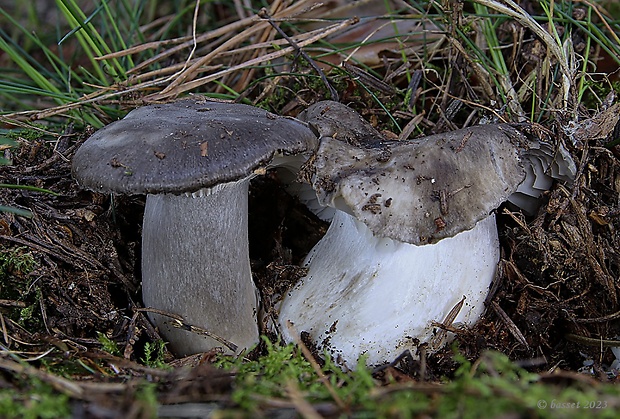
(371, 296)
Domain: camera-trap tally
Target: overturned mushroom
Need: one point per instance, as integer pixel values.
(413, 240)
(194, 159)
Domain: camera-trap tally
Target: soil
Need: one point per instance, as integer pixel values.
(554, 303)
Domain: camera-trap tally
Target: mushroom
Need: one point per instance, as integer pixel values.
(546, 163)
(413, 241)
(194, 159)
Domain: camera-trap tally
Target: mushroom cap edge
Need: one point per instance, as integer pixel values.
(186, 145)
(422, 190)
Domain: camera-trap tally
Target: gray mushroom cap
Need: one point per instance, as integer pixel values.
(185, 146)
(416, 191)
(333, 119)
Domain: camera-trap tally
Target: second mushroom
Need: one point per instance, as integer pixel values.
(413, 242)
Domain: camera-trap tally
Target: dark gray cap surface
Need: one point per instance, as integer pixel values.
(416, 191)
(185, 146)
(333, 119)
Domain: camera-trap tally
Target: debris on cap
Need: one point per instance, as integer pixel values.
(422, 190)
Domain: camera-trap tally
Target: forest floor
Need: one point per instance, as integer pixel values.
(76, 341)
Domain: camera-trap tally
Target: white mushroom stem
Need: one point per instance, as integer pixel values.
(195, 263)
(374, 296)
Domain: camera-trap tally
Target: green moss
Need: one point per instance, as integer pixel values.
(15, 266)
(154, 353)
(17, 262)
(491, 387)
(36, 400)
(108, 344)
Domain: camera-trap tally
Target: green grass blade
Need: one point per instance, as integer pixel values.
(27, 68)
(16, 211)
(91, 40)
(28, 188)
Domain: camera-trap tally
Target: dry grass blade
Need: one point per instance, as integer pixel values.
(602, 319)
(334, 94)
(515, 11)
(257, 25)
(12, 303)
(200, 331)
(178, 322)
(184, 42)
(512, 327)
(315, 366)
(601, 13)
(183, 77)
(184, 87)
(596, 342)
(481, 73)
(59, 383)
(221, 34)
(302, 406)
(439, 339)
